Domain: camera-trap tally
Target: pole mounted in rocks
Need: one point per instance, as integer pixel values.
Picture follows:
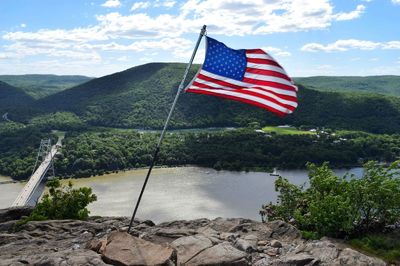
(157, 149)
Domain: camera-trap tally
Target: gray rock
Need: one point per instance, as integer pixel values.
(175, 233)
(296, 260)
(263, 262)
(284, 231)
(351, 257)
(14, 213)
(325, 251)
(244, 245)
(189, 246)
(276, 244)
(221, 254)
(124, 249)
(66, 257)
(229, 236)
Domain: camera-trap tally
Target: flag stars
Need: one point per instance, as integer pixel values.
(224, 61)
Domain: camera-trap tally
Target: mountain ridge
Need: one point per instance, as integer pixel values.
(140, 97)
(41, 85)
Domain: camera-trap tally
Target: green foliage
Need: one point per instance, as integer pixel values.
(340, 206)
(388, 85)
(285, 130)
(385, 246)
(39, 86)
(12, 99)
(96, 151)
(58, 121)
(62, 202)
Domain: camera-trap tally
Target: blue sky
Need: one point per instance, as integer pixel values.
(100, 37)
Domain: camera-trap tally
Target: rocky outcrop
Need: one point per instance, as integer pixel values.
(104, 241)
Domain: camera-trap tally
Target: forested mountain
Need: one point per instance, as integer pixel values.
(140, 97)
(388, 85)
(39, 86)
(12, 98)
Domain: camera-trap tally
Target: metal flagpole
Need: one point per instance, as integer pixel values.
(180, 88)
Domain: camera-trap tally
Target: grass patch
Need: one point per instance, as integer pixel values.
(386, 247)
(286, 131)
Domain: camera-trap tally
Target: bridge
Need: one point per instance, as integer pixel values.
(31, 192)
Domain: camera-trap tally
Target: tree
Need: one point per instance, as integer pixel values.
(340, 206)
(63, 202)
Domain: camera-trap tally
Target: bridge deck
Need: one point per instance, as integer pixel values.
(29, 188)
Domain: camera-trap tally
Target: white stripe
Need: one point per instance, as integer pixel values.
(266, 67)
(263, 92)
(268, 78)
(273, 96)
(260, 56)
(244, 84)
(212, 84)
(247, 97)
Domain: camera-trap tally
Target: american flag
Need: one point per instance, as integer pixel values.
(251, 76)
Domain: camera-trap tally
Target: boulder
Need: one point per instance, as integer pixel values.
(276, 244)
(125, 249)
(283, 231)
(245, 245)
(189, 246)
(221, 254)
(296, 260)
(14, 213)
(66, 257)
(352, 257)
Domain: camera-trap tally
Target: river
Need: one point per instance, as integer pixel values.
(179, 193)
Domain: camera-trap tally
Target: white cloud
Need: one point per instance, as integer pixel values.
(112, 3)
(139, 5)
(114, 33)
(4, 56)
(274, 51)
(143, 45)
(241, 17)
(351, 15)
(57, 50)
(396, 2)
(165, 3)
(22, 25)
(58, 35)
(350, 44)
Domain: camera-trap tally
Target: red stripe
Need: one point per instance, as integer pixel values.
(254, 93)
(267, 98)
(270, 84)
(233, 86)
(248, 92)
(217, 81)
(269, 108)
(267, 73)
(263, 61)
(282, 96)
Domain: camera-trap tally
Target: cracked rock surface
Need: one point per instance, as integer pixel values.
(104, 241)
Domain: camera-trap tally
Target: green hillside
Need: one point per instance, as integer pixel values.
(12, 98)
(140, 97)
(388, 85)
(39, 86)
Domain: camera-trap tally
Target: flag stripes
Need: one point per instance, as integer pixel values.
(265, 84)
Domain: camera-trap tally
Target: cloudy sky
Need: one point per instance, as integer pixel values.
(99, 37)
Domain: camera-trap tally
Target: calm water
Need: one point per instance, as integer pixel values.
(179, 193)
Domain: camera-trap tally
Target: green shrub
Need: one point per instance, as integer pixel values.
(339, 206)
(62, 202)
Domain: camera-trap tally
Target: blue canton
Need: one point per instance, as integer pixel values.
(224, 61)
